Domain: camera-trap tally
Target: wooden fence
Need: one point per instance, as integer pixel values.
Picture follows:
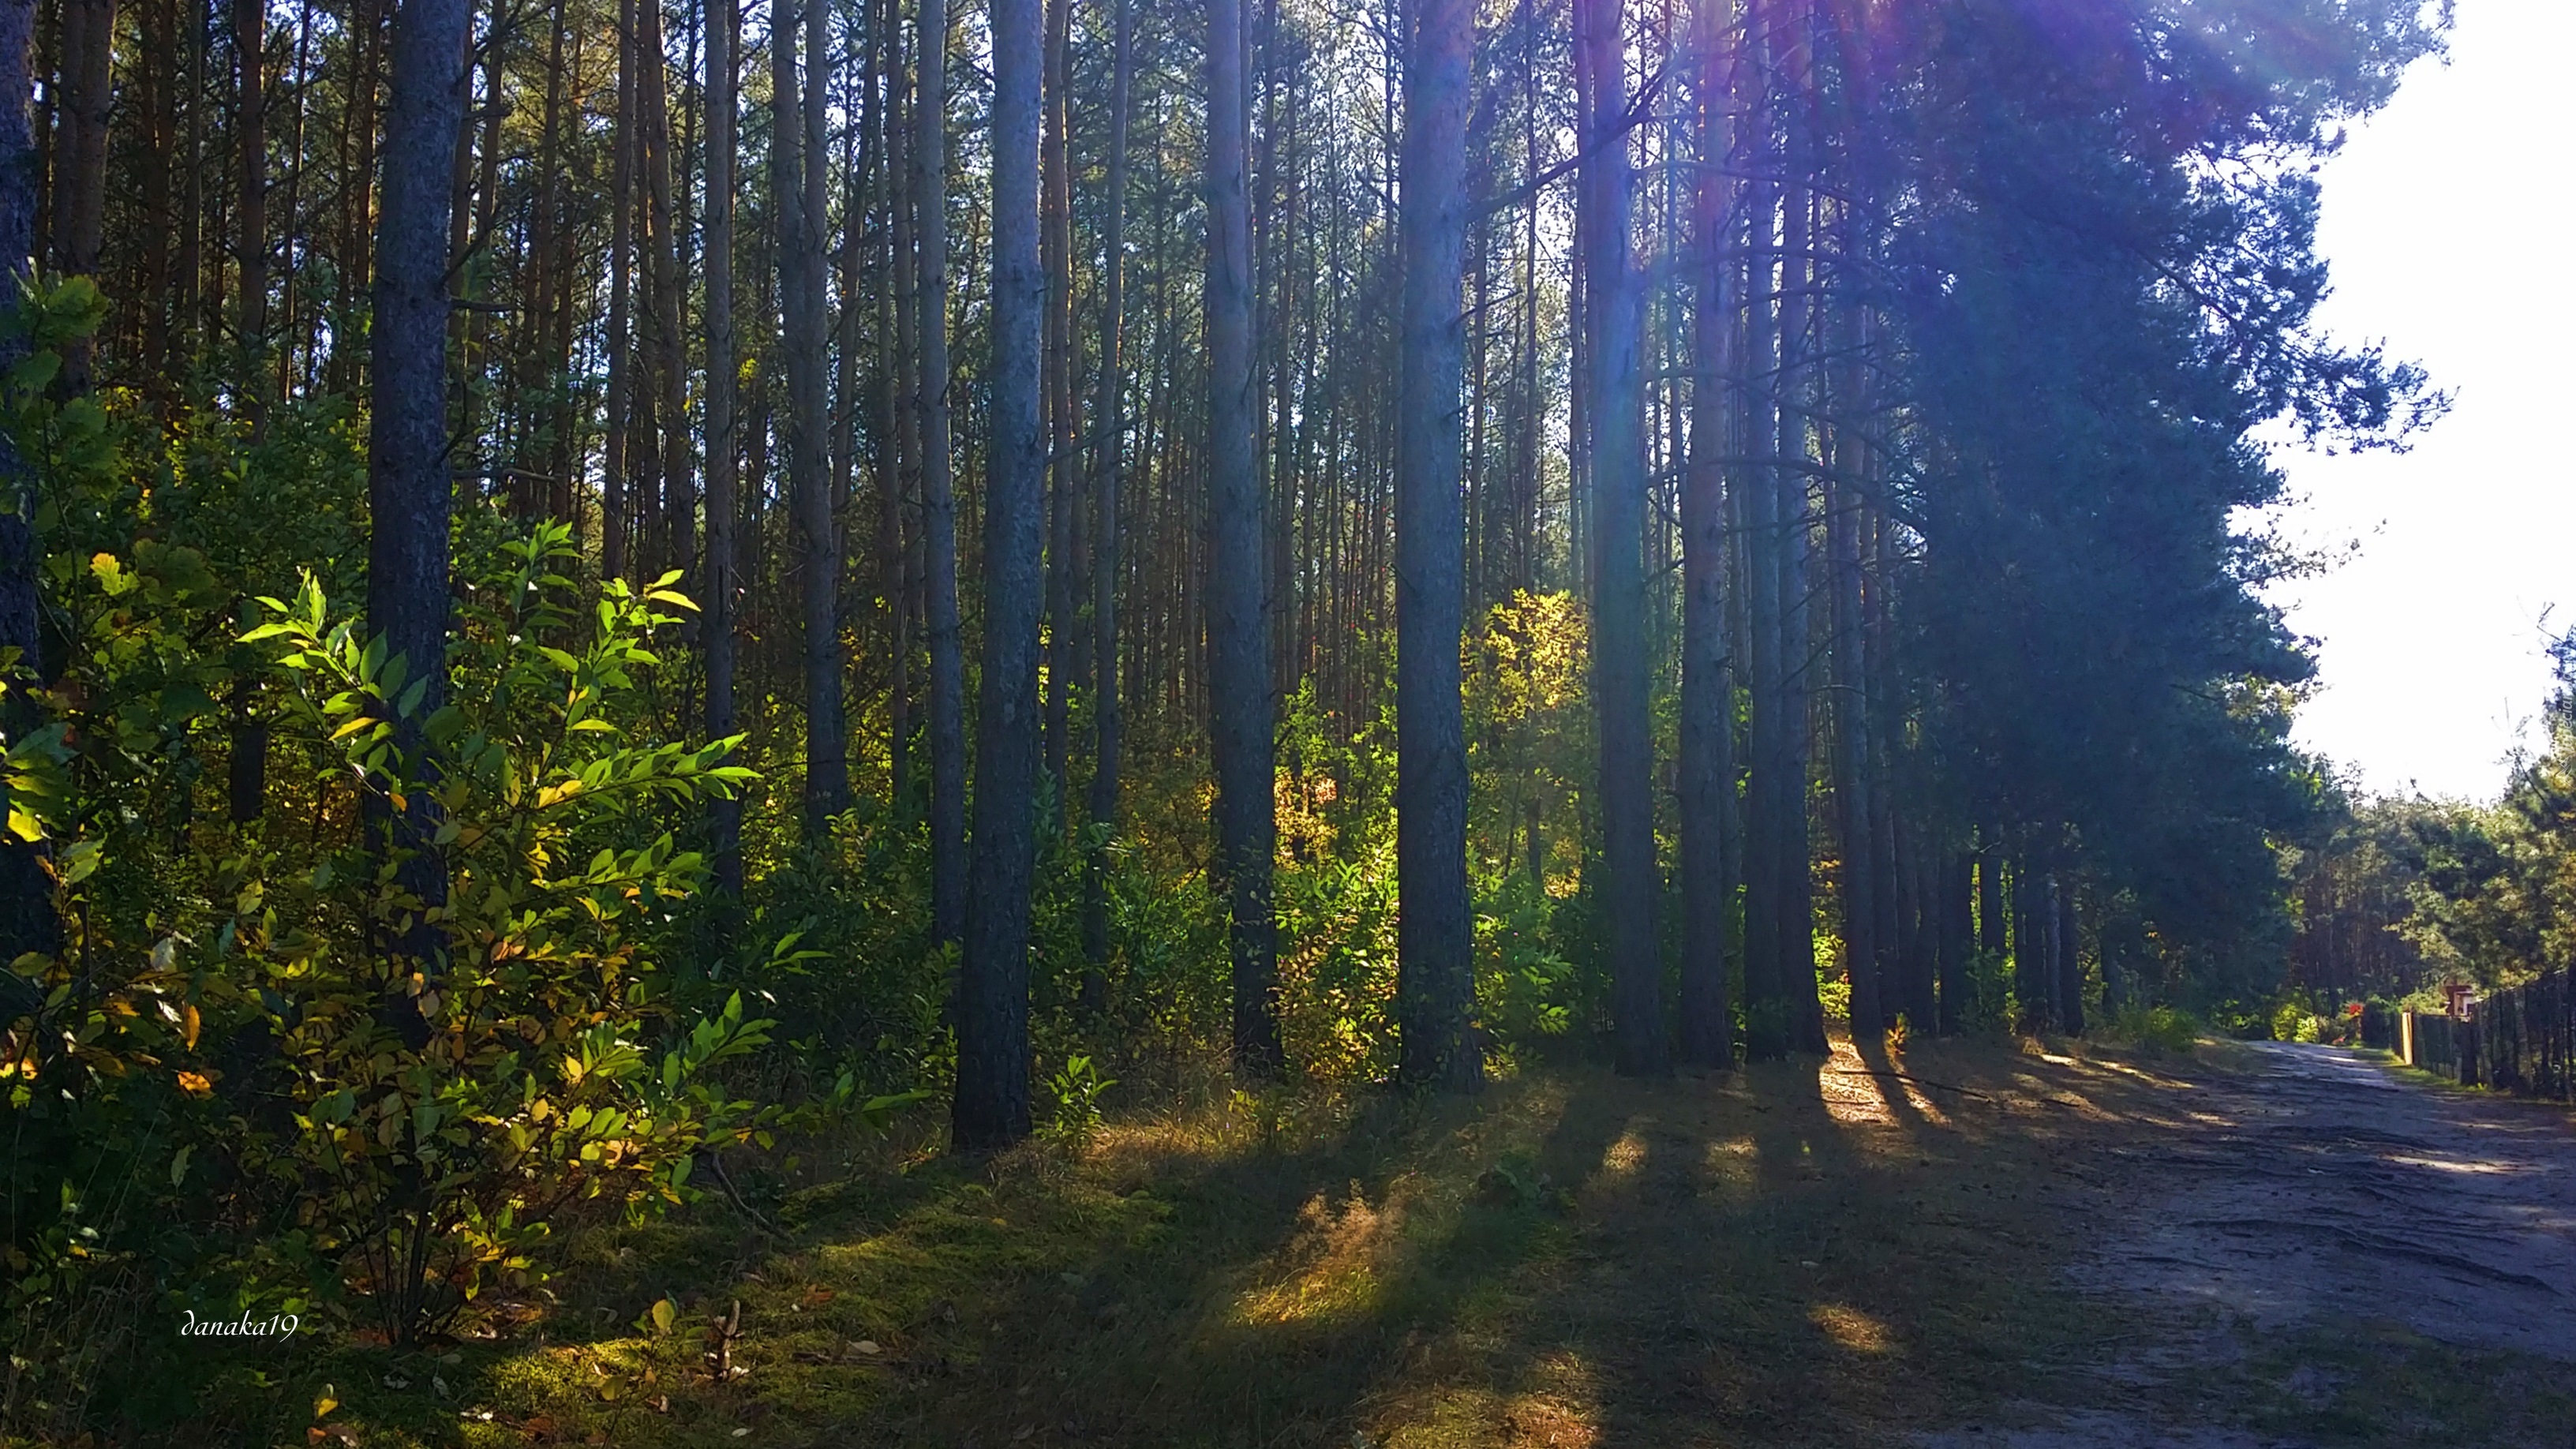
(2521, 1041)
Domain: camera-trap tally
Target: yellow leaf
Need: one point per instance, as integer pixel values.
(324, 1402)
(188, 1024)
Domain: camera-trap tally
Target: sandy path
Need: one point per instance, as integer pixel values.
(2314, 1192)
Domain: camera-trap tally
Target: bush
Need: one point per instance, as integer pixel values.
(2156, 1031)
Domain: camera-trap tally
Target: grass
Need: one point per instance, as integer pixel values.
(1805, 1253)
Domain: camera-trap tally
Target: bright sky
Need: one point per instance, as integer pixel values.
(2448, 223)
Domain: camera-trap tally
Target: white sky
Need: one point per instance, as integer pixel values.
(2447, 222)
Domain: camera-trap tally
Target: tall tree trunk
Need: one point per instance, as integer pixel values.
(2070, 966)
(889, 423)
(1109, 434)
(1613, 320)
(250, 41)
(621, 246)
(408, 490)
(1436, 944)
(992, 1102)
(1958, 887)
(669, 523)
(796, 157)
(724, 33)
(1064, 633)
(1237, 628)
(80, 155)
(1705, 770)
(27, 918)
(1795, 383)
(938, 492)
(1863, 947)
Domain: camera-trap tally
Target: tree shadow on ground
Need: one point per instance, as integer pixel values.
(1808, 1251)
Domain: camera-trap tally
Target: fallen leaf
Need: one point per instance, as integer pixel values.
(867, 1345)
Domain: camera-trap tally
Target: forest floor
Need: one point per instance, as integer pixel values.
(1972, 1244)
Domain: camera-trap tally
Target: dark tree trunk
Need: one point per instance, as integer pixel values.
(1109, 429)
(724, 31)
(992, 1103)
(408, 489)
(1613, 321)
(1863, 954)
(621, 243)
(27, 919)
(1436, 981)
(938, 492)
(1958, 887)
(1706, 768)
(2070, 966)
(1237, 628)
(797, 159)
(80, 155)
(1064, 632)
(250, 39)
(1768, 795)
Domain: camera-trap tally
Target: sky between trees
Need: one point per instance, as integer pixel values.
(2433, 660)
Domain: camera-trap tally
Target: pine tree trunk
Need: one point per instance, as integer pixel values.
(80, 155)
(409, 494)
(27, 918)
(724, 32)
(992, 1101)
(250, 39)
(1863, 954)
(621, 246)
(938, 494)
(1436, 980)
(1706, 767)
(1064, 633)
(1109, 433)
(797, 162)
(1239, 704)
(2070, 966)
(1613, 319)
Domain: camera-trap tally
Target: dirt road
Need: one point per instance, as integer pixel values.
(2333, 1252)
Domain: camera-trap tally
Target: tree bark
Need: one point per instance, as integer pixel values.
(1238, 663)
(250, 41)
(621, 246)
(796, 158)
(1613, 320)
(1436, 943)
(1705, 770)
(27, 918)
(80, 155)
(2070, 966)
(408, 489)
(724, 33)
(938, 495)
(992, 1102)
(1109, 441)
(1863, 953)
(1064, 632)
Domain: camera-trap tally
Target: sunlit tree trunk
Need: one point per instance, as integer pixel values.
(721, 583)
(797, 159)
(1237, 629)
(1436, 981)
(992, 1101)
(1705, 770)
(409, 495)
(27, 919)
(1613, 320)
(1109, 442)
(938, 491)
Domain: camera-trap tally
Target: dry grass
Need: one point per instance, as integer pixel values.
(1803, 1253)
